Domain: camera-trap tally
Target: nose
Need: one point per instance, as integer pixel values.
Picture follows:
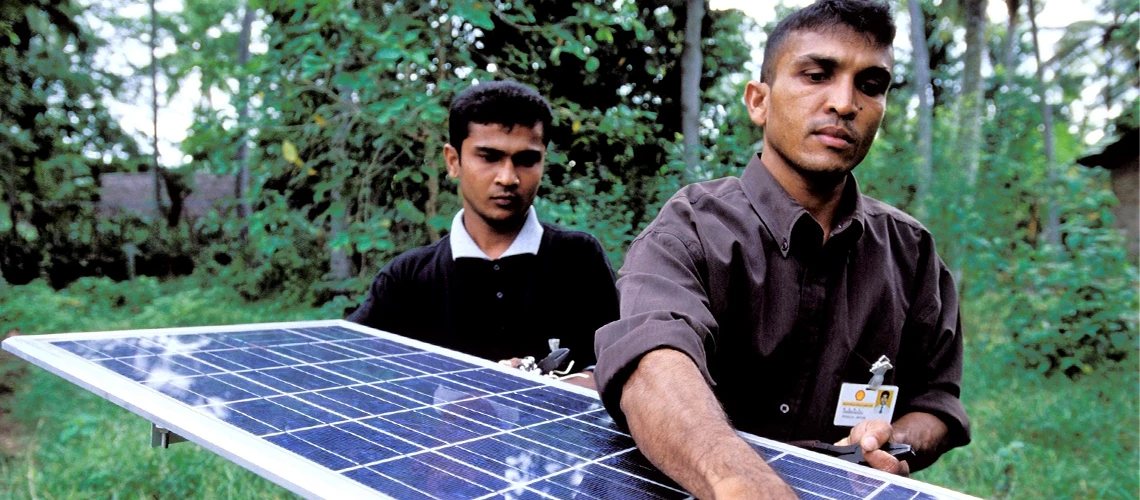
(841, 99)
(507, 175)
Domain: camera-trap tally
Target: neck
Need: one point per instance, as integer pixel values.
(493, 240)
(819, 194)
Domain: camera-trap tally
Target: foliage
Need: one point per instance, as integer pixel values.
(56, 137)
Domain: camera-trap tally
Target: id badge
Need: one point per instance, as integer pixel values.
(860, 402)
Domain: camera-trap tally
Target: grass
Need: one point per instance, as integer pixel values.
(1032, 437)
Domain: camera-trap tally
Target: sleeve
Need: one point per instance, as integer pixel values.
(931, 349)
(664, 304)
(599, 305)
(381, 309)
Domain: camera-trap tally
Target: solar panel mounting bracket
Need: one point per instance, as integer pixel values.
(161, 437)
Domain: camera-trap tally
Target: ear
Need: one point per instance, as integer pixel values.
(756, 96)
(451, 156)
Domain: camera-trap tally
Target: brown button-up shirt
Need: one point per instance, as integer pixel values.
(735, 273)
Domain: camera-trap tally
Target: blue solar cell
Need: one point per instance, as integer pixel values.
(237, 419)
(223, 364)
(436, 482)
(309, 410)
(431, 363)
(240, 381)
(304, 378)
(272, 414)
(124, 369)
(264, 338)
(327, 378)
(377, 347)
(522, 463)
(319, 400)
(211, 391)
(489, 380)
(500, 412)
(634, 463)
(188, 343)
(309, 451)
(556, 400)
(600, 418)
(311, 353)
(271, 382)
(577, 438)
(604, 483)
(332, 333)
(80, 350)
(441, 426)
(895, 492)
(245, 358)
(765, 452)
(379, 482)
(371, 370)
(280, 359)
(366, 403)
(116, 348)
(823, 479)
(359, 450)
(375, 436)
(432, 390)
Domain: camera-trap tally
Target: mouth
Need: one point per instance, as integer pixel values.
(505, 201)
(834, 136)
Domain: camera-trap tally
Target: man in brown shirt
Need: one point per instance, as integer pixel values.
(754, 299)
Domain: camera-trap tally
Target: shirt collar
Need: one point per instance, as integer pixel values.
(527, 241)
(779, 211)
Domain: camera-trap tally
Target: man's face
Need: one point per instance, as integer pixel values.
(824, 104)
(499, 171)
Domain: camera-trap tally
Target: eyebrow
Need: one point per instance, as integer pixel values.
(828, 62)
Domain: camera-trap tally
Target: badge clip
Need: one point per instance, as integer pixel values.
(879, 368)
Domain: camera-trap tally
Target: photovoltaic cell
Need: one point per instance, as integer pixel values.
(401, 418)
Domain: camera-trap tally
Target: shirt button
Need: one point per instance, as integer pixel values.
(496, 267)
(784, 408)
(499, 294)
(784, 245)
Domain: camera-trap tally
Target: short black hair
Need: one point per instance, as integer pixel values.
(866, 17)
(505, 102)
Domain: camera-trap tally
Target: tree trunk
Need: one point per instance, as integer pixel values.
(154, 107)
(970, 120)
(691, 84)
(241, 183)
(1009, 45)
(1053, 212)
(925, 104)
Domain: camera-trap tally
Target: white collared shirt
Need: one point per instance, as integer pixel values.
(527, 241)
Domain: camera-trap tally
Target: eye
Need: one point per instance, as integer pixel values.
(816, 77)
(527, 158)
(490, 157)
(873, 87)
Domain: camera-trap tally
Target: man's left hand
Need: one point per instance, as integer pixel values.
(872, 435)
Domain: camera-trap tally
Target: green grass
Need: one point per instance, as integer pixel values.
(1033, 437)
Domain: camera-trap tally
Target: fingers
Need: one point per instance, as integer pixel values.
(884, 461)
(870, 434)
(513, 362)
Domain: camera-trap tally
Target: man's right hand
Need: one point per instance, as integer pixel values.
(680, 427)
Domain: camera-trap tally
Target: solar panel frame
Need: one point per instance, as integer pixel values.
(283, 467)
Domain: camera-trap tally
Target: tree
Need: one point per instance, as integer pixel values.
(925, 139)
(1053, 217)
(970, 123)
(691, 82)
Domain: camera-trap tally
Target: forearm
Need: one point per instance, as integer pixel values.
(679, 425)
(925, 433)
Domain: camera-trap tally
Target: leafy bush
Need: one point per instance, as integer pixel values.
(1074, 309)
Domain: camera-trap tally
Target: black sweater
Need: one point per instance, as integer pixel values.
(498, 309)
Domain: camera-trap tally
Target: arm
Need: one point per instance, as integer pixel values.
(680, 427)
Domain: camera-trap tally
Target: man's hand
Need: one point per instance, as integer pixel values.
(581, 379)
(872, 435)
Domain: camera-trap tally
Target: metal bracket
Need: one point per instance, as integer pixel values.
(162, 438)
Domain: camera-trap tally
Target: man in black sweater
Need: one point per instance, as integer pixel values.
(501, 283)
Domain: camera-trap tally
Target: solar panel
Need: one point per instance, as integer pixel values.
(331, 409)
